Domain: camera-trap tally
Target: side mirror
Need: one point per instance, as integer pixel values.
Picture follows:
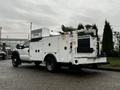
(22, 47)
(18, 46)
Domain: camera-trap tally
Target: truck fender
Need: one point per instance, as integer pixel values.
(49, 55)
(15, 53)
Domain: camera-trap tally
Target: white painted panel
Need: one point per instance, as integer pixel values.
(24, 54)
(63, 54)
(36, 50)
(50, 44)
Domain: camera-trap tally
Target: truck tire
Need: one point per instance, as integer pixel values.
(51, 64)
(15, 60)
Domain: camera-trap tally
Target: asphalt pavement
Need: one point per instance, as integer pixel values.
(29, 77)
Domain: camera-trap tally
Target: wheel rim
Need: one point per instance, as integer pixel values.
(14, 61)
(50, 66)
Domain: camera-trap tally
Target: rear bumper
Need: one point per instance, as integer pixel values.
(91, 60)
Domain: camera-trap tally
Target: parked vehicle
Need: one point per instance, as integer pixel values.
(2, 55)
(74, 48)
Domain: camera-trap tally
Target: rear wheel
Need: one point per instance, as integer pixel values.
(51, 64)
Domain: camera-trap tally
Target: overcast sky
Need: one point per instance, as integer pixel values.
(16, 15)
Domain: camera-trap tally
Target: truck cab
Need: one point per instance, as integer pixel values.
(23, 50)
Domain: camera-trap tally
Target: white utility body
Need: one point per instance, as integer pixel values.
(78, 47)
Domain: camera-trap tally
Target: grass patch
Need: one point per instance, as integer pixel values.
(114, 62)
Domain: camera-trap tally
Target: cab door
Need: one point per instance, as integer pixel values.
(24, 51)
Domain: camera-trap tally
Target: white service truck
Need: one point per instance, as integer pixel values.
(75, 48)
